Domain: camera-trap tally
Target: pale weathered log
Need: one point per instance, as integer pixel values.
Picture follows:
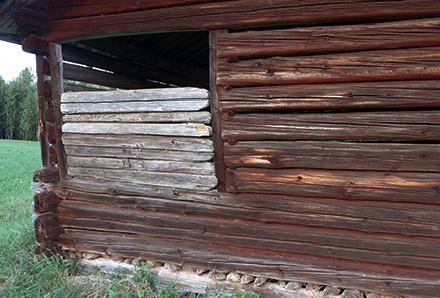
(195, 117)
(138, 153)
(174, 129)
(135, 106)
(139, 142)
(201, 168)
(177, 180)
(141, 95)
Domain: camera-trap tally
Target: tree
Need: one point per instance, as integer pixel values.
(2, 104)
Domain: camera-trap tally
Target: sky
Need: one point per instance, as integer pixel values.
(13, 60)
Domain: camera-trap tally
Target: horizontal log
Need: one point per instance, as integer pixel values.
(180, 129)
(384, 249)
(69, 88)
(139, 141)
(135, 106)
(286, 266)
(341, 38)
(161, 94)
(138, 153)
(177, 180)
(194, 117)
(47, 228)
(353, 185)
(35, 45)
(412, 125)
(198, 168)
(46, 175)
(381, 65)
(408, 94)
(335, 155)
(235, 14)
(46, 201)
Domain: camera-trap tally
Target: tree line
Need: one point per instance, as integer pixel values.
(19, 107)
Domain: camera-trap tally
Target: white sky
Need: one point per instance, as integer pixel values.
(13, 60)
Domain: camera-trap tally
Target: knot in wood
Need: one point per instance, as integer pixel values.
(270, 71)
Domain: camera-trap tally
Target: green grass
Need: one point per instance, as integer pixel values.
(22, 274)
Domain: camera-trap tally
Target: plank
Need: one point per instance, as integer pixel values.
(162, 94)
(195, 117)
(177, 180)
(135, 106)
(138, 153)
(380, 65)
(42, 107)
(384, 249)
(236, 14)
(139, 142)
(335, 155)
(286, 266)
(202, 168)
(320, 39)
(165, 129)
(413, 125)
(408, 94)
(353, 185)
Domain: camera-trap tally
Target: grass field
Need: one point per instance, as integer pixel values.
(22, 274)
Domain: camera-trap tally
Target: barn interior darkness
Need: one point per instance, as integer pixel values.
(140, 61)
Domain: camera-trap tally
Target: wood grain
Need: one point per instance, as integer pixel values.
(381, 65)
(197, 117)
(413, 125)
(407, 94)
(354, 185)
(335, 155)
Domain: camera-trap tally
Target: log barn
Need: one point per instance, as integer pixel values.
(288, 140)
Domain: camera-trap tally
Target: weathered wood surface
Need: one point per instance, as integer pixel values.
(195, 117)
(385, 249)
(381, 65)
(354, 185)
(335, 155)
(135, 106)
(139, 153)
(235, 14)
(139, 142)
(56, 73)
(46, 175)
(285, 266)
(35, 45)
(165, 129)
(406, 94)
(47, 228)
(342, 38)
(371, 216)
(413, 125)
(202, 168)
(177, 180)
(42, 107)
(46, 201)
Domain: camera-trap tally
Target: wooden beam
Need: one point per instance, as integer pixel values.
(31, 18)
(35, 45)
(42, 108)
(127, 51)
(56, 72)
(236, 14)
(47, 228)
(46, 175)
(193, 117)
(128, 68)
(46, 201)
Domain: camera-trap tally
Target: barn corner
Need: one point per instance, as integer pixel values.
(280, 146)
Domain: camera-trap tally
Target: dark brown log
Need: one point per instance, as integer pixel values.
(47, 88)
(49, 249)
(284, 266)
(414, 125)
(31, 18)
(49, 112)
(79, 88)
(88, 75)
(353, 185)
(53, 155)
(46, 201)
(408, 94)
(372, 217)
(46, 66)
(47, 228)
(56, 72)
(343, 38)
(383, 65)
(42, 109)
(35, 45)
(46, 175)
(235, 14)
(118, 66)
(220, 166)
(335, 155)
(51, 134)
(126, 50)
